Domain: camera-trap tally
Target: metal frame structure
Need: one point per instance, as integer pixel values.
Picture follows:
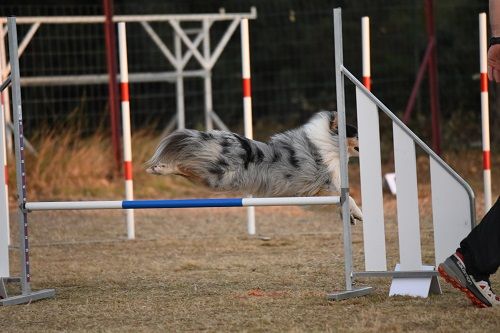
(185, 49)
(186, 44)
(27, 295)
(444, 181)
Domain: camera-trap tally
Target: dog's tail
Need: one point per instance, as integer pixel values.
(167, 151)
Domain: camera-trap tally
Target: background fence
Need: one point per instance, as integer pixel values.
(292, 64)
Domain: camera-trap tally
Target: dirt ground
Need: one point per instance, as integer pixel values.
(197, 270)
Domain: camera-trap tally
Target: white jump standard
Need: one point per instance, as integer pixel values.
(453, 207)
(27, 295)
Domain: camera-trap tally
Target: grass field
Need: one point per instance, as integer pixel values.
(197, 270)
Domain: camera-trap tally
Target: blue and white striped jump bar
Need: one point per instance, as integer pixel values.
(182, 203)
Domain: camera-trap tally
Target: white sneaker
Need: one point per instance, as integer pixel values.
(485, 289)
(480, 293)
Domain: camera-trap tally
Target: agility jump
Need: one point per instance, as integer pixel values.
(452, 197)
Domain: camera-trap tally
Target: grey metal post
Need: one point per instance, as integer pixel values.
(19, 152)
(208, 75)
(344, 181)
(179, 84)
(27, 295)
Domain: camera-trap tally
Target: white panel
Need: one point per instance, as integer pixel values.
(4, 232)
(450, 212)
(407, 200)
(371, 183)
(415, 287)
(4, 202)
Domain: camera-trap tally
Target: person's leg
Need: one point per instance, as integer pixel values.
(481, 248)
(469, 268)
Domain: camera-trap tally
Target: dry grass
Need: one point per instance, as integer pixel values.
(69, 167)
(196, 270)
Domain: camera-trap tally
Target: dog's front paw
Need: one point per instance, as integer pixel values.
(356, 214)
(354, 218)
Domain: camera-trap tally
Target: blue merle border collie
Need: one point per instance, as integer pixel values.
(299, 162)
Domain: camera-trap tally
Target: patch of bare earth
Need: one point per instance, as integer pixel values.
(196, 270)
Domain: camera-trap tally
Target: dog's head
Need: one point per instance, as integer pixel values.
(351, 135)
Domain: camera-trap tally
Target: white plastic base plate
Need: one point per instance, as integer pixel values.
(416, 287)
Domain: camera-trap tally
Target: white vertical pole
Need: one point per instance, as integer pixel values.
(4, 198)
(208, 76)
(179, 84)
(127, 138)
(485, 110)
(247, 103)
(365, 50)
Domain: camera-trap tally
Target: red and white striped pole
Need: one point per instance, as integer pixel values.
(483, 56)
(247, 104)
(4, 197)
(127, 138)
(365, 51)
(5, 144)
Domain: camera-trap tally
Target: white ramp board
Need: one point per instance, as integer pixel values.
(407, 200)
(415, 287)
(371, 183)
(451, 211)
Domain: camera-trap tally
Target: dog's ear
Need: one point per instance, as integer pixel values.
(334, 124)
(351, 131)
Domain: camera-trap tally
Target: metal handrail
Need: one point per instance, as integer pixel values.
(415, 138)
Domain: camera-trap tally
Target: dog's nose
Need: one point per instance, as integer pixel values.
(356, 149)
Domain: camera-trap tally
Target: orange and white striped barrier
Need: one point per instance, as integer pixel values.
(365, 51)
(127, 137)
(4, 198)
(483, 56)
(247, 104)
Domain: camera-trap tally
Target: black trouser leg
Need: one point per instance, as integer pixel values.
(481, 248)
